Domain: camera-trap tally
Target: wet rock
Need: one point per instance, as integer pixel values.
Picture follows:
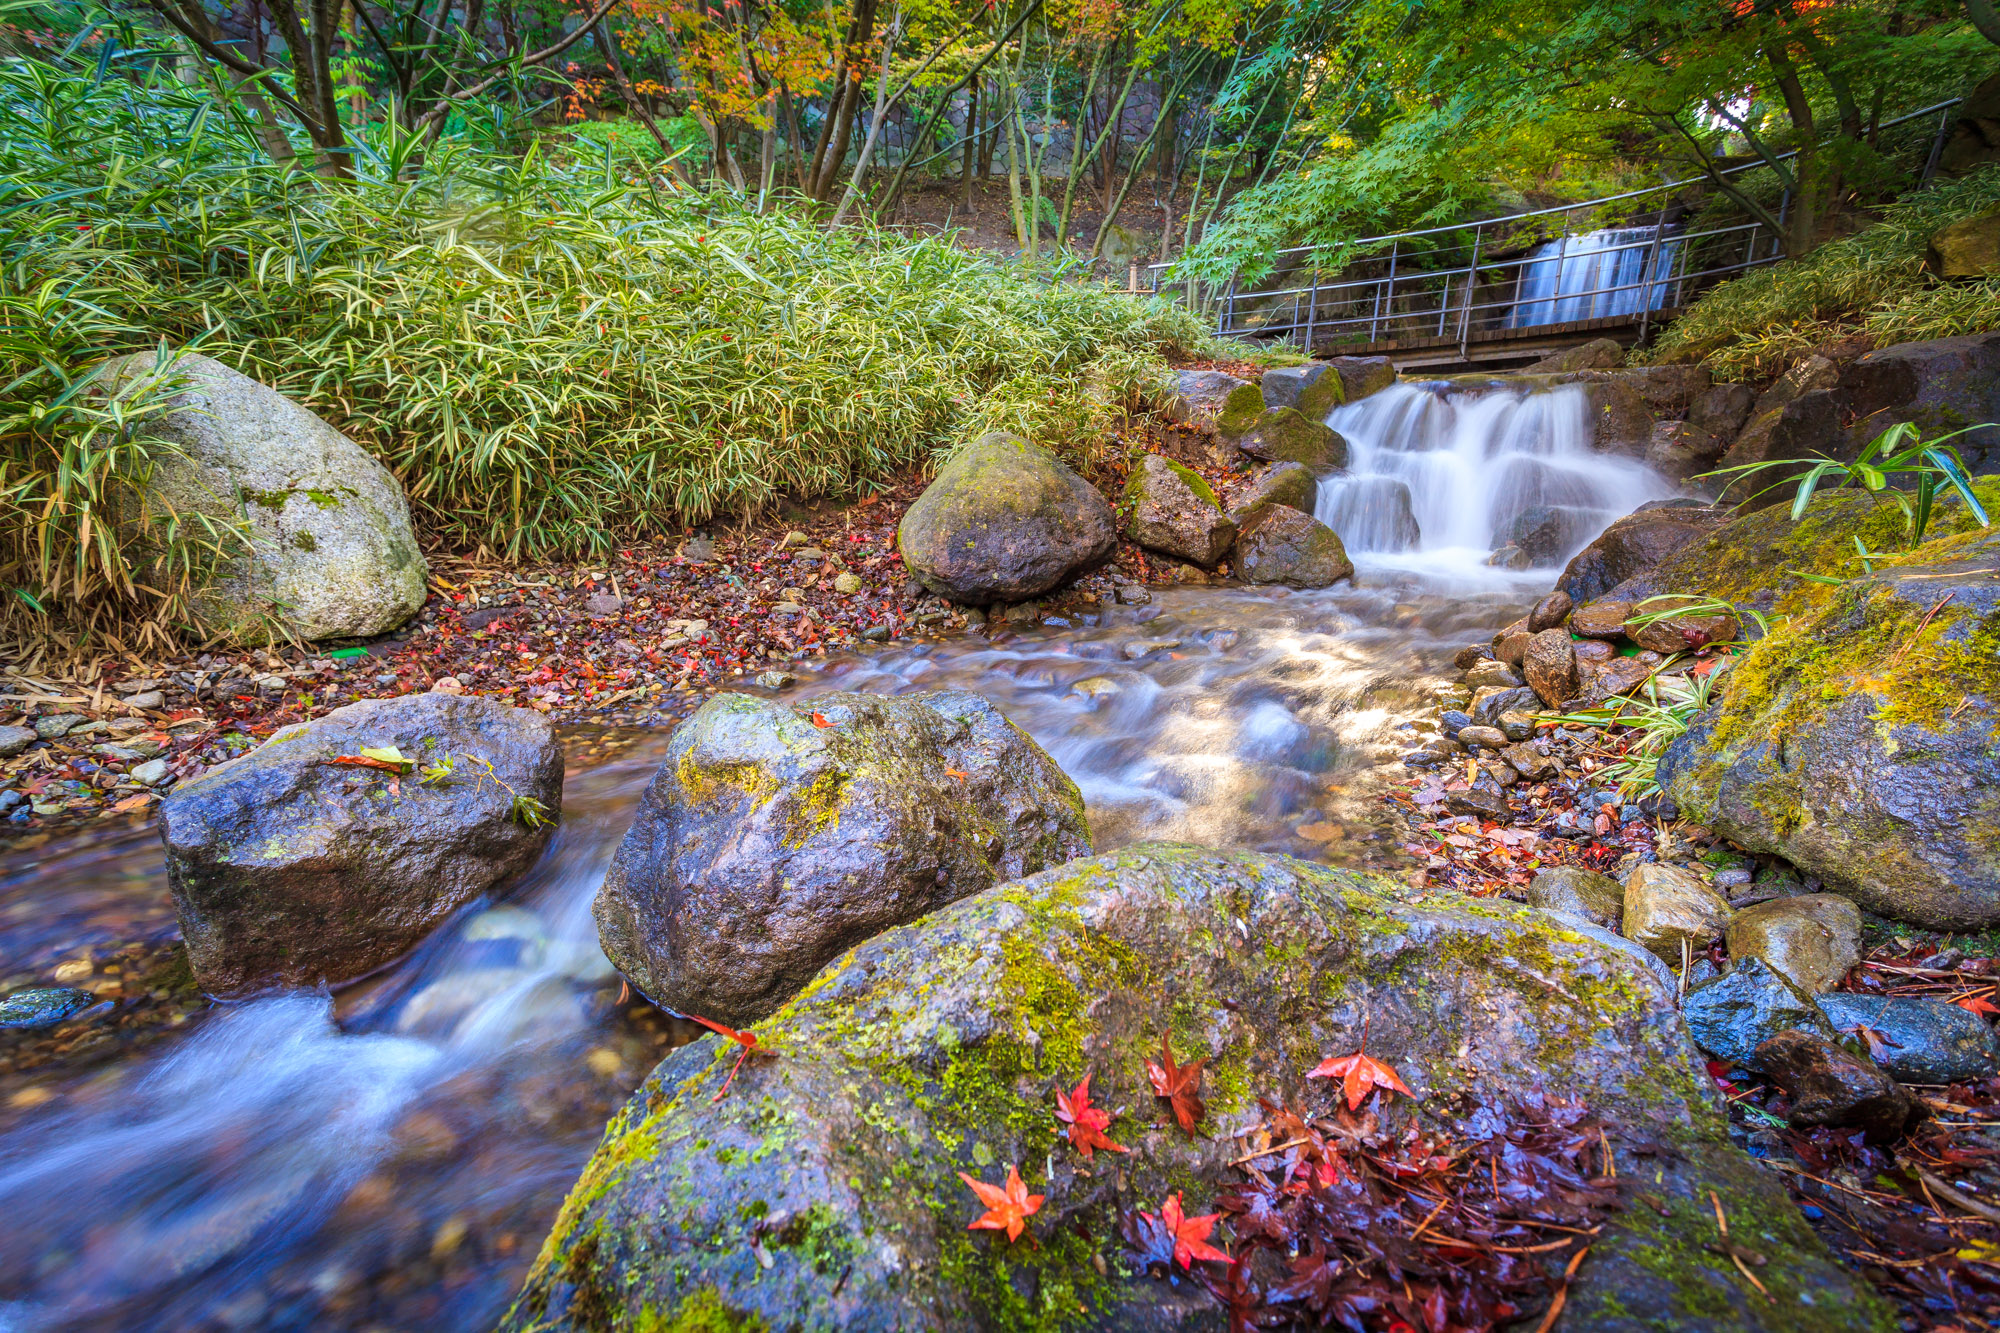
(56, 725)
(1373, 513)
(1550, 667)
(1666, 906)
(1315, 388)
(1829, 1085)
(1481, 802)
(1133, 594)
(1172, 510)
(1860, 743)
(1541, 532)
(847, 582)
(1596, 898)
(1285, 484)
(1549, 613)
(1451, 721)
(1471, 655)
(1529, 762)
(151, 773)
(1361, 376)
(1286, 435)
(952, 1029)
(1211, 397)
(1492, 672)
(331, 553)
(1620, 675)
(1791, 418)
(1487, 708)
(1003, 522)
(1594, 652)
(1736, 1013)
(1597, 354)
(1935, 1041)
(1636, 544)
(1510, 557)
(43, 1006)
(13, 740)
(1677, 633)
(768, 844)
(1517, 726)
(1491, 737)
(1815, 938)
(1601, 619)
(289, 870)
(1278, 544)
(1510, 643)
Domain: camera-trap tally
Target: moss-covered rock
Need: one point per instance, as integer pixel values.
(822, 1190)
(1201, 397)
(1005, 521)
(1170, 509)
(1286, 435)
(1278, 544)
(1290, 484)
(776, 836)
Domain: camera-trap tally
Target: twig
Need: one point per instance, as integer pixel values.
(1562, 1293)
(1936, 607)
(1950, 1195)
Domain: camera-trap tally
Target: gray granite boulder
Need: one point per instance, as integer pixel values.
(1170, 509)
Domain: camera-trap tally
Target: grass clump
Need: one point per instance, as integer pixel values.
(1870, 284)
(554, 354)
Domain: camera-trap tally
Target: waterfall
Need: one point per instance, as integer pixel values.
(1439, 479)
(1594, 276)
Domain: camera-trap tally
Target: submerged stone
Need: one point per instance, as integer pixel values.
(43, 1006)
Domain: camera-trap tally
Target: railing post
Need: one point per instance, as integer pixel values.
(1312, 308)
(1385, 295)
(1937, 149)
(1471, 283)
(1646, 280)
(1228, 309)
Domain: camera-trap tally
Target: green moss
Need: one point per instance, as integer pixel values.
(705, 1311)
(815, 808)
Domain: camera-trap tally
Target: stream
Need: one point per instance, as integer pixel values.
(391, 1158)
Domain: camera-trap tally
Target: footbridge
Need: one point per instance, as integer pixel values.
(1502, 292)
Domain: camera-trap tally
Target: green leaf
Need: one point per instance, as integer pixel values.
(387, 754)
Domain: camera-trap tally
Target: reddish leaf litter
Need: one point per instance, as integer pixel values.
(638, 638)
(1339, 1220)
(1919, 1217)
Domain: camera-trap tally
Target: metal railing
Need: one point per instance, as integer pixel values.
(1443, 284)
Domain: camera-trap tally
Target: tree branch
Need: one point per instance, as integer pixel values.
(436, 115)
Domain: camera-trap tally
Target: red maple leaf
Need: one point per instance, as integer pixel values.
(1180, 1085)
(1978, 1004)
(1086, 1123)
(1360, 1073)
(1190, 1234)
(1007, 1208)
(819, 720)
(747, 1040)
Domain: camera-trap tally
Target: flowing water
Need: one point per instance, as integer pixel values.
(390, 1158)
(1618, 271)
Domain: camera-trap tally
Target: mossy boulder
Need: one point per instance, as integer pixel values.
(1286, 435)
(1278, 544)
(1636, 546)
(1005, 521)
(822, 1191)
(1239, 410)
(1202, 397)
(1318, 387)
(1860, 740)
(1967, 248)
(290, 868)
(1290, 484)
(316, 534)
(776, 836)
(1170, 509)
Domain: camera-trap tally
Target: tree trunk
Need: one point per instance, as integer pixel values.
(970, 156)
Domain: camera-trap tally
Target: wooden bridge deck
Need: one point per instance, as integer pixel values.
(1493, 349)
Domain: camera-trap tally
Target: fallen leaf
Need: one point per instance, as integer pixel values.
(1360, 1074)
(1190, 1234)
(1086, 1123)
(1977, 1004)
(819, 720)
(1007, 1209)
(747, 1040)
(1180, 1086)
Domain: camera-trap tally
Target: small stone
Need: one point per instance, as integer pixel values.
(1470, 656)
(1139, 648)
(1666, 907)
(787, 609)
(1732, 878)
(1451, 721)
(448, 685)
(847, 582)
(1733, 1015)
(1489, 703)
(1097, 687)
(876, 634)
(795, 539)
(1814, 939)
(43, 1006)
(1132, 594)
(151, 773)
(56, 725)
(11, 800)
(1491, 672)
(1510, 557)
(1830, 1085)
(603, 604)
(1677, 633)
(1517, 725)
(1480, 802)
(137, 686)
(1502, 775)
(603, 1062)
(1491, 737)
(1550, 612)
(1596, 898)
(1595, 651)
(13, 740)
(151, 701)
(1550, 667)
(1528, 761)
(1935, 1040)
(75, 970)
(1603, 619)
(776, 680)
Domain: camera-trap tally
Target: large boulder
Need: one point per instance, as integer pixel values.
(1372, 513)
(775, 836)
(1212, 397)
(1968, 248)
(1597, 354)
(1636, 545)
(319, 856)
(823, 1190)
(1286, 435)
(320, 544)
(1170, 509)
(1278, 544)
(1860, 741)
(1318, 387)
(1290, 484)
(1924, 1040)
(1005, 521)
(1813, 938)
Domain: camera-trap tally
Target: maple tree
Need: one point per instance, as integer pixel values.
(1360, 1074)
(1179, 1086)
(1087, 1123)
(1008, 1207)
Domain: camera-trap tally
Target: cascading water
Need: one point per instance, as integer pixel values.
(1438, 479)
(1599, 274)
